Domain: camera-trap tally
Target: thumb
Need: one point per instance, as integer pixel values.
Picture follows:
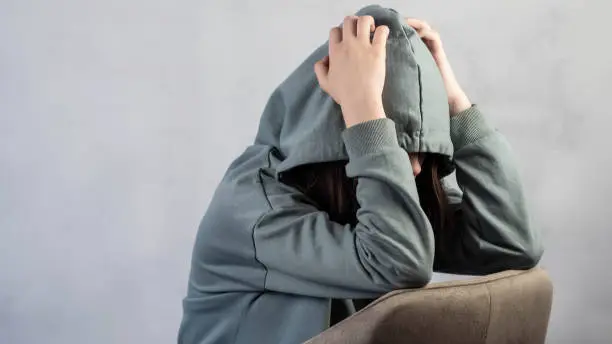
(321, 69)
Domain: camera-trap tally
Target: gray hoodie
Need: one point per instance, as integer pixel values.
(267, 262)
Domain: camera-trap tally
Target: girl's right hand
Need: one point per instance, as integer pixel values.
(457, 99)
(353, 73)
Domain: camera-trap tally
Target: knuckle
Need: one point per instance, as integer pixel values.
(367, 18)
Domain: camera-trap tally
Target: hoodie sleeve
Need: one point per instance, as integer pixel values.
(492, 231)
(391, 247)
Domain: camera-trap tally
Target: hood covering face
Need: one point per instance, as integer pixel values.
(305, 124)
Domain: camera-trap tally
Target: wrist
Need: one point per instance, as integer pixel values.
(364, 111)
(458, 103)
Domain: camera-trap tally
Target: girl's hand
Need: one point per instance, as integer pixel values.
(354, 72)
(457, 99)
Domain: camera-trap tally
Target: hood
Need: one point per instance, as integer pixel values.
(305, 124)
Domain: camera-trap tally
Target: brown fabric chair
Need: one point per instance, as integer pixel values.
(503, 308)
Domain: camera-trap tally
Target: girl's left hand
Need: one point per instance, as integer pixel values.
(457, 99)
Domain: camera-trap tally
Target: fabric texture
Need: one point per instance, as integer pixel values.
(512, 307)
(267, 261)
(309, 127)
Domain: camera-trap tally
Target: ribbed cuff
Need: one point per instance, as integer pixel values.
(469, 126)
(370, 137)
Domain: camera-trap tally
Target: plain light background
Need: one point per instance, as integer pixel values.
(118, 118)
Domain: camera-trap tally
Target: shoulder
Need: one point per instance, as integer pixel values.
(248, 191)
(225, 234)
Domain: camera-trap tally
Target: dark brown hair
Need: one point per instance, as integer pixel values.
(327, 185)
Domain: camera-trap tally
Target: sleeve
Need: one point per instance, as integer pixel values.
(391, 247)
(491, 230)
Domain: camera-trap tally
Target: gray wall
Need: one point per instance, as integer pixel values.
(117, 119)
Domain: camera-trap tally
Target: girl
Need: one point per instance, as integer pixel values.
(342, 195)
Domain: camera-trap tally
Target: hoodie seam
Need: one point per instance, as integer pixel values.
(262, 186)
(419, 76)
(420, 131)
(253, 228)
(256, 223)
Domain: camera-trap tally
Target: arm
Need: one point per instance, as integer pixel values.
(390, 248)
(491, 230)
(491, 225)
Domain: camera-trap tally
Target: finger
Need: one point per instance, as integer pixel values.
(349, 27)
(321, 69)
(335, 35)
(335, 38)
(432, 38)
(325, 62)
(365, 25)
(380, 37)
(418, 24)
(430, 35)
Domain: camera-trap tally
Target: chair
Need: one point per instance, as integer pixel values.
(503, 308)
